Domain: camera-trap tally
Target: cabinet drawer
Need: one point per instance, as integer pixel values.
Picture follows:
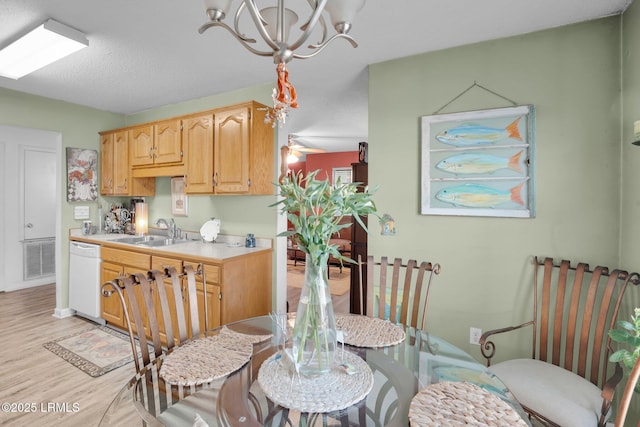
(133, 259)
(212, 273)
(160, 263)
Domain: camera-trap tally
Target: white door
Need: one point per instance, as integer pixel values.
(39, 193)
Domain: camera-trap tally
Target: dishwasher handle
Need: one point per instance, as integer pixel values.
(84, 249)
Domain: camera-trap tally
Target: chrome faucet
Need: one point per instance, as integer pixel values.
(172, 229)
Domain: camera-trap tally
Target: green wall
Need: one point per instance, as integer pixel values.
(630, 212)
(587, 183)
(571, 77)
(79, 128)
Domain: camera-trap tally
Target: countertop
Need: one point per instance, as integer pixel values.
(225, 247)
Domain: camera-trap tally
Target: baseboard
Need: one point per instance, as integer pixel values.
(61, 313)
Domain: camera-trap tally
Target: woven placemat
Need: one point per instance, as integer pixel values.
(461, 404)
(365, 331)
(206, 359)
(253, 339)
(323, 393)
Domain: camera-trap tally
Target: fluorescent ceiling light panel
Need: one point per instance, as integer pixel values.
(46, 44)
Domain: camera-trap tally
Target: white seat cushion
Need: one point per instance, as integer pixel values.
(560, 395)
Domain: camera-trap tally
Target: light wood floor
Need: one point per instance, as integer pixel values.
(29, 373)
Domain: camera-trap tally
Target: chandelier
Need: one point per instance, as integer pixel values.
(274, 24)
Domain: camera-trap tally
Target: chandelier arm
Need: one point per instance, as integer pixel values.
(310, 25)
(313, 4)
(243, 40)
(259, 23)
(320, 47)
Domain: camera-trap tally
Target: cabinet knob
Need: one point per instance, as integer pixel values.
(150, 152)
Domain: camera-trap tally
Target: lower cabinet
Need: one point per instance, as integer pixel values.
(236, 288)
(118, 262)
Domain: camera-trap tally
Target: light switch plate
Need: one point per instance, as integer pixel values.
(81, 212)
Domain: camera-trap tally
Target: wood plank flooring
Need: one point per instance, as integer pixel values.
(29, 373)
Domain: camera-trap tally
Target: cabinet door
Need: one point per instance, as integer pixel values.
(106, 164)
(213, 305)
(168, 142)
(141, 145)
(197, 136)
(231, 151)
(111, 307)
(121, 163)
(214, 295)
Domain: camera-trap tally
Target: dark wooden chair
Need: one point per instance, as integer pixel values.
(568, 380)
(623, 408)
(393, 292)
(161, 314)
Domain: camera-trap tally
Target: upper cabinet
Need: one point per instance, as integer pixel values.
(227, 150)
(197, 134)
(243, 150)
(231, 151)
(156, 144)
(115, 179)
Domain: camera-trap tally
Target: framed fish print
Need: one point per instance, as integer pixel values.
(479, 163)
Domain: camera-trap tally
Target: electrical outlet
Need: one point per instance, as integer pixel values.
(474, 335)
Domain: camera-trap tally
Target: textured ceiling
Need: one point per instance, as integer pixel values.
(147, 53)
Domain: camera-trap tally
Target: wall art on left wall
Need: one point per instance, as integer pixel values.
(82, 177)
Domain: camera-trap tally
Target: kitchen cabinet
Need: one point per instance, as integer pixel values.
(197, 134)
(156, 144)
(214, 296)
(243, 150)
(228, 150)
(118, 262)
(115, 179)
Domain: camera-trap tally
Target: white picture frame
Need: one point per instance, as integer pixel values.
(179, 200)
(345, 174)
(459, 151)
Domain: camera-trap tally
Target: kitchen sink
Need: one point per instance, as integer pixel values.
(137, 239)
(161, 242)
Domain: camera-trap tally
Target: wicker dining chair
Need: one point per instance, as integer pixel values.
(148, 306)
(567, 381)
(395, 298)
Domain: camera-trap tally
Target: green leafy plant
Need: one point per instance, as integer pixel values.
(316, 209)
(629, 334)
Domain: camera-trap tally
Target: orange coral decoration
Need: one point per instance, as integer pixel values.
(284, 97)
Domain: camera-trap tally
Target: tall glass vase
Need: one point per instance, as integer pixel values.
(314, 331)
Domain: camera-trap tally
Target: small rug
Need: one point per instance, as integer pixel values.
(95, 351)
(339, 282)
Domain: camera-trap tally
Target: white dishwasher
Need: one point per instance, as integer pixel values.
(84, 280)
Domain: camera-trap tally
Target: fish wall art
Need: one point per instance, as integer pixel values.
(479, 163)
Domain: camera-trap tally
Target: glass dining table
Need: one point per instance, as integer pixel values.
(237, 398)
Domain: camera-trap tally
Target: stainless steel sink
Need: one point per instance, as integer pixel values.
(137, 239)
(161, 242)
